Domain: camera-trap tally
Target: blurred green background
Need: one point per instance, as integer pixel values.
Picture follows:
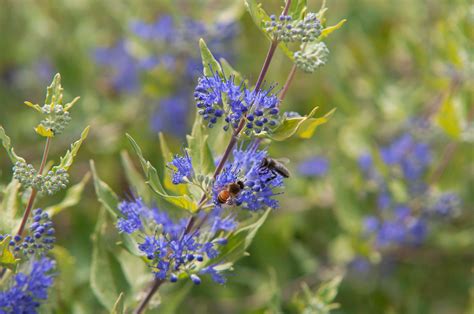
(391, 61)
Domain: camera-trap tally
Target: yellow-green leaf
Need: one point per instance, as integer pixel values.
(209, 63)
(43, 131)
(309, 126)
(6, 142)
(67, 160)
(328, 30)
(7, 259)
(34, 106)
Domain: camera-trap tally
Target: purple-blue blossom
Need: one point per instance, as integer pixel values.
(182, 168)
(169, 250)
(222, 98)
(28, 289)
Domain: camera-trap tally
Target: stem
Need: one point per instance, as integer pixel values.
(32, 198)
(291, 75)
(154, 287)
(225, 157)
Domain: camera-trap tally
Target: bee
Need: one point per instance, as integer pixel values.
(275, 167)
(227, 195)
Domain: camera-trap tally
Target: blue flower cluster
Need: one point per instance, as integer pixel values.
(182, 168)
(28, 290)
(405, 203)
(218, 97)
(171, 252)
(175, 42)
(259, 186)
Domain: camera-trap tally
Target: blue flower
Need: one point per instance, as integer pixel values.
(215, 275)
(133, 212)
(28, 290)
(260, 108)
(447, 204)
(314, 167)
(182, 168)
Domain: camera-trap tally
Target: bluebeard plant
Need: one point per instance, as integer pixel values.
(405, 202)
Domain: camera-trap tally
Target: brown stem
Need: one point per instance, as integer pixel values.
(143, 304)
(288, 83)
(33, 194)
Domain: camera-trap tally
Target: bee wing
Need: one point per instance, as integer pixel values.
(283, 160)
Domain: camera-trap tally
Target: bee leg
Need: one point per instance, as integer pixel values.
(274, 175)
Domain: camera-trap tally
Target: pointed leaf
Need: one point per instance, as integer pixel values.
(209, 63)
(7, 259)
(106, 196)
(118, 307)
(328, 30)
(8, 146)
(309, 126)
(34, 106)
(176, 189)
(134, 178)
(67, 160)
(9, 207)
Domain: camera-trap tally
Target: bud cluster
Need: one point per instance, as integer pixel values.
(49, 183)
(312, 57)
(288, 30)
(40, 238)
(57, 118)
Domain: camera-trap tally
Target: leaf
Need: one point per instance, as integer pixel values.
(8, 146)
(198, 147)
(7, 259)
(104, 279)
(71, 103)
(166, 200)
(73, 196)
(178, 189)
(328, 30)
(239, 241)
(308, 127)
(289, 126)
(67, 270)
(34, 106)
(229, 71)
(150, 171)
(209, 63)
(134, 178)
(104, 193)
(54, 91)
(448, 119)
(67, 160)
(118, 307)
(9, 207)
(297, 9)
(327, 292)
(43, 131)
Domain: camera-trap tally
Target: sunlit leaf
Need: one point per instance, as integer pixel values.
(328, 30)
(448, 119)
(67, 160)
(209, 63)
(7, 259)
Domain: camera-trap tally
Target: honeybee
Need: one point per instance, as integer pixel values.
(275, 167)
(227, 195)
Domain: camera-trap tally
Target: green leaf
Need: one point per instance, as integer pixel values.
(34, 106)
(54, 91)
(303, 126)
(166, 200)
(328, 30)
(177, 189)
(199, 150)
(106, 196)
(8, 146)
(7, 259)
(209, 63)
(118, 307)
(67, 160)
(309, 126)
(150, 172)
(103, 275)
(297, 9)
(448, 119)
(134, 178)
(73, 196)
(67, 270)
(229, 71)
(9, 207)
(239, 241)
(327, 292)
